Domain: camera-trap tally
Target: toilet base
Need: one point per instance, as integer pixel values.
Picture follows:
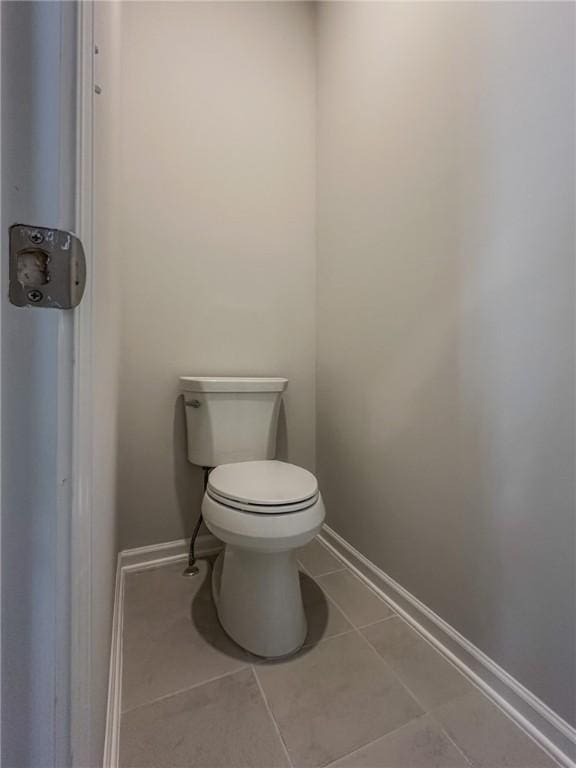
(259, 600)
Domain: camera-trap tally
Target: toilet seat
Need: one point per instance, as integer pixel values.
(265, 533)
(261, 509)
(263, 487)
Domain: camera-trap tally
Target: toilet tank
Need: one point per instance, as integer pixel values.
(231, 419)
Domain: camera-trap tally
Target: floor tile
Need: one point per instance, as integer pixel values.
(420, 744)
(431, 678)
(222, 724)
(172, 639)
(157, 592)
(317, 560)
(359, 603)
(324, 618)
(333, 698)
(487, 737)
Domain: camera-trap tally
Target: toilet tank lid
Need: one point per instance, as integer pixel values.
(231, 384)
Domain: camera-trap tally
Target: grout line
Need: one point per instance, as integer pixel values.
(379, 621)
(332, 602)
(271, 661)
(369, 587)
(397, 730)
(335, 602)
(346, 566)
(314, 643)
(450, 739)
(271, 715)
(396, 675)
(375, 741)
(184, 690)
(343, 612)
(391, 669)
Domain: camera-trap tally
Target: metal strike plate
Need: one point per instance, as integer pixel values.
(47, 267)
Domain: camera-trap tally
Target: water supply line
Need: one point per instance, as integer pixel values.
(192, 569)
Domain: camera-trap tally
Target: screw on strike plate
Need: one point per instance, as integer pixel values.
(35, 296)
(36, 237)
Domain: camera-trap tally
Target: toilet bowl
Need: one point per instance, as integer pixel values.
(263, 511)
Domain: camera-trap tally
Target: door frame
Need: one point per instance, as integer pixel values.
(82, 747)
(70, 669)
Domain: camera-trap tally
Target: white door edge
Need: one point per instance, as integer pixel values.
(82, 506)
(41, 637)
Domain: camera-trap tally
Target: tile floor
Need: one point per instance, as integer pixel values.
(365, 691)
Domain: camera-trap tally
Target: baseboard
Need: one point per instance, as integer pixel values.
(549, 730)
(168, 552)
(130, 560)
(112, 732)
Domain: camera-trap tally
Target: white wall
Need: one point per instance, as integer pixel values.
(106, 342)
(446, 314)
(218, 233)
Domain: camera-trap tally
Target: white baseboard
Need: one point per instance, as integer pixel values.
(168, 552)
(130, 560)
(112, 732)
(549, 730)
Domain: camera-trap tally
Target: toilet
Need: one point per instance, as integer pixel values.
(262, 509)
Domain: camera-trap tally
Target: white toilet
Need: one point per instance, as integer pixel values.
(262, 509)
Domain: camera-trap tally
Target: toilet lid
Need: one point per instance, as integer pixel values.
(263, 509)
(263, 486)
